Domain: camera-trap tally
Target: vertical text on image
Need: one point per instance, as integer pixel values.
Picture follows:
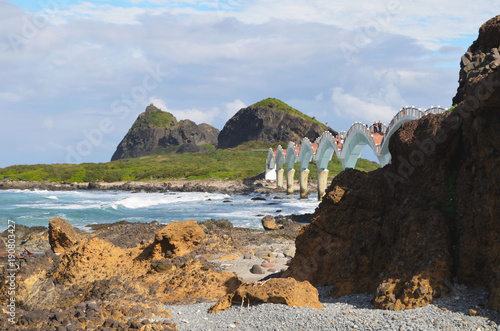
(11, 270)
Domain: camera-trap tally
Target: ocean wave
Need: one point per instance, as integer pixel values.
(145, 200)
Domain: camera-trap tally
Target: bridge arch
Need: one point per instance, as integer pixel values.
(270, 173)
(327, 146)
(280, 158)
(291, 156)
(347, 146)
(306, 153)
(357, 138)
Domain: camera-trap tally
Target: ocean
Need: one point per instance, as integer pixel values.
(81, 208)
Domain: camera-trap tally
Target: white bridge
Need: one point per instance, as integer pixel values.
(347, 146)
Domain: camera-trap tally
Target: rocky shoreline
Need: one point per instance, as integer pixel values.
(209, 186)
(118, 275)
(117, 278)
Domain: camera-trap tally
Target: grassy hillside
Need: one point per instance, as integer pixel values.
(155, 119)
(281, 106)
(238, 163)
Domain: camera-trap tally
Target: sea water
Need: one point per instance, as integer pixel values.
(81, 208)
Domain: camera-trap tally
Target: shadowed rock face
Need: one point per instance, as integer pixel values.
(482, 56)
(269, 125)
(155, 129)
(405, 231)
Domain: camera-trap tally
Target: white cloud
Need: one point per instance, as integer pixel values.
(193, 114)
(356, 109)
(232, 107)
(90, 55)
(48, 123)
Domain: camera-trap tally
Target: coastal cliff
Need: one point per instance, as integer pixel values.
(406, 231)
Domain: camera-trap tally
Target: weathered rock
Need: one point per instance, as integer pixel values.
(155, 129)
(190, 148)
(177, 238)
(405, 231)
(257, 269)
(286, 291)
(268, 223)
(217, 224)
(61, 235)
(3, 247)
(269, 121)
(482, 56)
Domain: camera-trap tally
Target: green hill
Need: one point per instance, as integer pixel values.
(238, 163)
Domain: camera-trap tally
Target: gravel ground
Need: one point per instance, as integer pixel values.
(353, 312)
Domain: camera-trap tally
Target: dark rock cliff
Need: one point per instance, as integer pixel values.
(269, 121)
(406, 231)
(155, 129)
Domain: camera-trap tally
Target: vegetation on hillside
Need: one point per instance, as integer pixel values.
(281, 106)
(154, 119)
(245, 161)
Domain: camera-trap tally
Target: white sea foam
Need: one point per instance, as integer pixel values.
(145, 200)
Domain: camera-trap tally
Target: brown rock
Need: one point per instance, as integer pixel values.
(287, 291)
(268, 223)
(61, 235)
(177, 238)
(402, 232)
(481, 57)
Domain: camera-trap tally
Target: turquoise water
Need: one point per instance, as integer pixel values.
(81, 208)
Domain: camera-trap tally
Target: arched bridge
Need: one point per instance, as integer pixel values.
(347, 146)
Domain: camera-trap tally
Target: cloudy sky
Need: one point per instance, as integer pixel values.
(76, 74)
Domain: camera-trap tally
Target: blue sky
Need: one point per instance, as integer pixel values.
(76, 74)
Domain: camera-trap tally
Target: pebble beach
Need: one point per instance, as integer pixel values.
(354, 312)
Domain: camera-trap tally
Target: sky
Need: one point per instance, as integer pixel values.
(76, 74)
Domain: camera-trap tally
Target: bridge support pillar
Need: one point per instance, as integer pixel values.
(322, 183)
(289, 180)
(279, 178)
(304, 177)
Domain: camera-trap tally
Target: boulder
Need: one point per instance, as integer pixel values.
(268, 223)
(61, 235)
(257, 270)
(177, 239)
(286, 291)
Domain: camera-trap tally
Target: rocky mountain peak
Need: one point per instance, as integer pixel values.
(270, 120)
(155, 129)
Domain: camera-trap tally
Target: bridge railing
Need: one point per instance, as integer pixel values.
(292, 155)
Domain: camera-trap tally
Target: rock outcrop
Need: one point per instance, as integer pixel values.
(482, 56)
(406, 231)
(155, 130)
(286, 291)
(61, 235)
(177, 239)
(269, 121)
